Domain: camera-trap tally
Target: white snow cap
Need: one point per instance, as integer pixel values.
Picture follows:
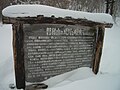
(48, 11)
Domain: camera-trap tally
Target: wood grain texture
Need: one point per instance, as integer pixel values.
(99, 46)
(53, 20)
(18, 55)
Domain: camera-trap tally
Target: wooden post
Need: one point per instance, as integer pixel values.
(98, 53)
(18, 55)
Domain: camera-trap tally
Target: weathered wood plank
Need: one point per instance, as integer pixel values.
(53, 20)
(18, 55)
(98, 52)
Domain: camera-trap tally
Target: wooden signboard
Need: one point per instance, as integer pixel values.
(46, 47)
(53, 49)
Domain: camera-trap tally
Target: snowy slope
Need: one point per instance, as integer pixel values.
(5, 41)
(99, 82)
(69, 77)
(110, 62)
(6, 59)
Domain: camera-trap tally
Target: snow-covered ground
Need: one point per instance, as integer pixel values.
(111, 56)
(6, 59)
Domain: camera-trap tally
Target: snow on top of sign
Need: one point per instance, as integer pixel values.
(48, 11)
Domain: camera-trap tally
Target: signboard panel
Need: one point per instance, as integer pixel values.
(53, 49)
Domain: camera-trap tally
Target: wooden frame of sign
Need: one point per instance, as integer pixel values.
(24, 36)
